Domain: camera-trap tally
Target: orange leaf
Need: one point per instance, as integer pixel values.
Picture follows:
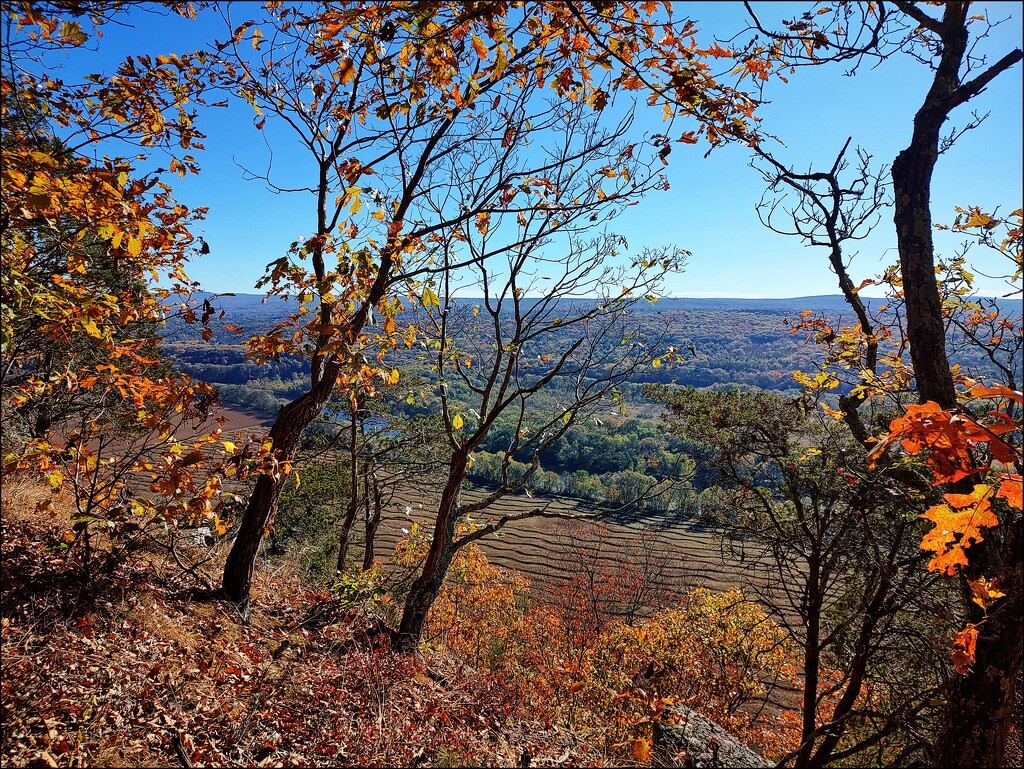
(964, 644)
(958, 525)
(981, 391)
(1010, 490)
(480, 47)
(641, 749)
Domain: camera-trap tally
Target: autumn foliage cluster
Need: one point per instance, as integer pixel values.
(575, 654)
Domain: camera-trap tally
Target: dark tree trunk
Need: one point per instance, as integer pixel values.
(372, 520)
(353, 492)
(346, 533)
(292, 420)
(864, 647)
(435, 568)
(981, 704)
(812, 662)
(912, 183)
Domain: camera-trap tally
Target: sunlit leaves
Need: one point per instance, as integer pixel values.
(86, 238)
(984, 591)
(958, 525)
(953, 441)
(429, 297)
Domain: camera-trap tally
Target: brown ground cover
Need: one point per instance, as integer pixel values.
(143, 668)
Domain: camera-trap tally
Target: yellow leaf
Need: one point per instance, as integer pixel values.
(457, 422)
(985, 592)
(229, 447)
(429, 298)
(91, 328)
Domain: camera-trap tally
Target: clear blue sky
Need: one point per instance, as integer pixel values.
(710, 207)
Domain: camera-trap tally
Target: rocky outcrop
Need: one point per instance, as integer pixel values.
(695, 742)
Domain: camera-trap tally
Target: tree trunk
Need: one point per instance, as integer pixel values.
(812, 662)
(353, 492)
(292, 420)
(371, 491)
(912, 179)
(435, 568)
(982, 706)
(980, 709)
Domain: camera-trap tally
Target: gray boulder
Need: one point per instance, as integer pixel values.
(695, 742)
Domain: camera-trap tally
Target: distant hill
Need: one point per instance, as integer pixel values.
(275, 307)
(794, 304)
(728, 342)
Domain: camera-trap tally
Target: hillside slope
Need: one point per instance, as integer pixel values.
(144, 668)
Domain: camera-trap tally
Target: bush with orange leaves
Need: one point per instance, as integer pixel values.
(717, 653)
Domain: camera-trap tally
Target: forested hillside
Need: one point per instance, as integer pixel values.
(745, 344)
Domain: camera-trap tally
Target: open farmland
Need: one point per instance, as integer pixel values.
(542, 547)
(682, 554)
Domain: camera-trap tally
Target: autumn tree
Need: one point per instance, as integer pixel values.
(385, 99)
(717, 653)
(982, 699)
(387, 455)
(607, 579)
(85, 236)
(496, 358)
(844, 573)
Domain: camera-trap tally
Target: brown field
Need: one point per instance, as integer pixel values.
(688, 554)
(234, 420)
(540, 548)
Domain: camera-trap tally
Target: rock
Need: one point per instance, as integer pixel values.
(695, 742)
(197, 535)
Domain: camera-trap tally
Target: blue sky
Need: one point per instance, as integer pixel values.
(710, 208)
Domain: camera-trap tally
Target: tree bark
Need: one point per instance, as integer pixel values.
(912, 183)
(981, 704)
(812, 661)
(435, 568)
(353, 492)
(292, 420)
(372, 520)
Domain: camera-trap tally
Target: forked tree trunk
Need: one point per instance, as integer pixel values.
(435, 568)
(371, 491)
(353, 493)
